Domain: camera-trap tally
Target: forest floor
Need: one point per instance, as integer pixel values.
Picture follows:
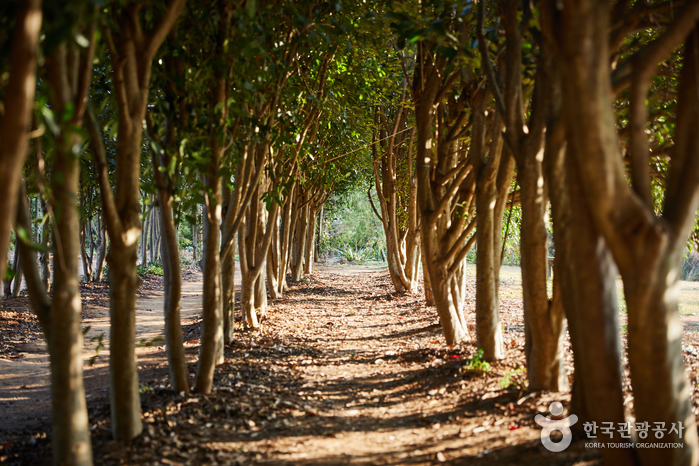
(342, 371)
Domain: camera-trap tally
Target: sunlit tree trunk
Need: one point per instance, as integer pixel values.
(132, 49)
(310, 240)
(299, 236)
(211, 352)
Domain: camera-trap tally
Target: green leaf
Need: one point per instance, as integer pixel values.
(26, 238)
(50, 119)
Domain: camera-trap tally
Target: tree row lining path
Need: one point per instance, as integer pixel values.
(343, 371)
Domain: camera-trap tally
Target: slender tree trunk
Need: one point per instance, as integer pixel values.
(172, 274)
(91, 240)
(211, 352)
(17, 280)
(435, 204)
(274, 263)
(195, 234)
(87, 264)
(101, 251)
(132, 49)
(319, 236)
(46, 242)
(299, 241)
(254, 240)
(146, 233)
(310, 242)
(488, 331)
(228, 270)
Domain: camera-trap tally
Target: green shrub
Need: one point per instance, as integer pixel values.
(352, 255)
(153, 268)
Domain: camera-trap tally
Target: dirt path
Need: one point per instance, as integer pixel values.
(343, 371)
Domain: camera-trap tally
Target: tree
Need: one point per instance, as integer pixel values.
(166, 143)
(132, 49)
(68, 74)
(525, 141)
(646, 248)
(15, 120)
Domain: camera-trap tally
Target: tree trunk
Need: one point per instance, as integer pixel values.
(46, 242)
(319, 236)
(172, 281)
(101, 251)
(440, 236)
(16, 118)
(17, 280)
(146, 233)
(71, 429)
(661, 390)
(429, 296)
(87, 265)
(228, 271)
(254, 240)
(643, 245)
(310, 241)
(488, 331)
(132, 52)
(589, 298)
(299, 240)
(588, 293)
(544, 322)
(211, 352)
(152, 242)
(195, 234)
(123, 285)
(274, 262)
(492, 188)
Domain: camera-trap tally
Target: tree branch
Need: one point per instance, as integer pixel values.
(371, 201)
(99, 157)
(485, 59)
(644, 62)
(155, 39)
